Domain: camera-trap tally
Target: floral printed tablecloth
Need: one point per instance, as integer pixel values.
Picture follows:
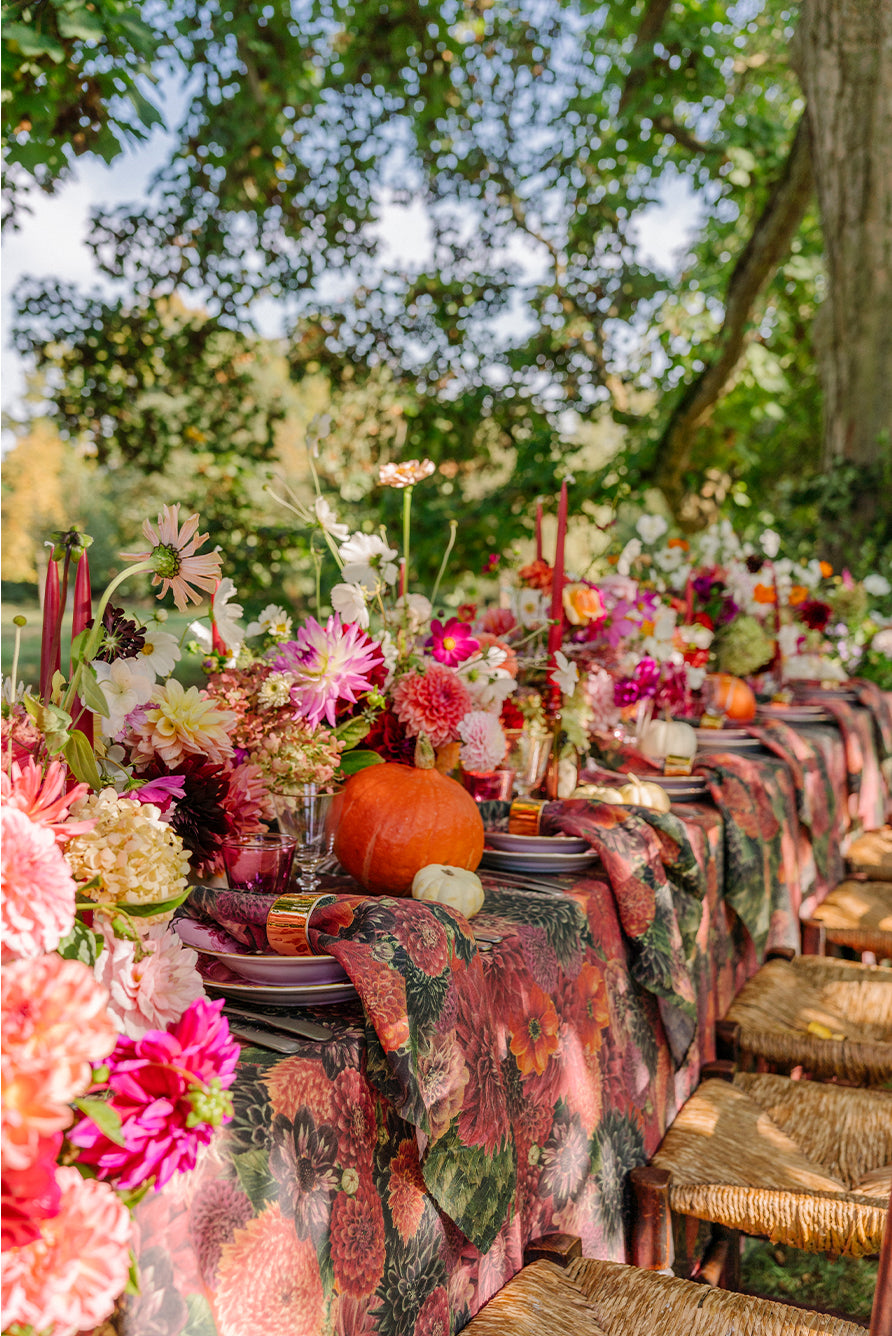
(385, 1182)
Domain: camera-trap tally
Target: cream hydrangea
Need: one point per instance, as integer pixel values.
(135, 855)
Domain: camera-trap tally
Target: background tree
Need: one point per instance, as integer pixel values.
(536, 137)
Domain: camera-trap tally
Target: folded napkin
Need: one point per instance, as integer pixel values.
(430, 1035)
(879, 703)
(658, 884)
(864, 777)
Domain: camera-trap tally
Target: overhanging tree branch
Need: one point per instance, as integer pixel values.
(769, 243)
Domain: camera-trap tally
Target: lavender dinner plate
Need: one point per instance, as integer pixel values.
(535, 844)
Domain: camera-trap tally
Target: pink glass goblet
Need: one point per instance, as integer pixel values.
(259, 862)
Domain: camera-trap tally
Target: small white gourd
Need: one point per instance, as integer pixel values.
(640, 793)
(602, 793)
(665, 737)
(453, 886)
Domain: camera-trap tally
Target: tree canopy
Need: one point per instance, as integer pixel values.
(533, 139)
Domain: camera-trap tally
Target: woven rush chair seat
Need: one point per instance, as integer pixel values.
(871, 854)
(593, 1298)
(858, 914)
(848, 1006)
(801, 1162)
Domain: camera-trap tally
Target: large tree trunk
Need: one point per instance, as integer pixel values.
(844, 61)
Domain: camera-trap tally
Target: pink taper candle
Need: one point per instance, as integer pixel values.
(82, 613)
(539, 530)
(50, 643)
(557, 581)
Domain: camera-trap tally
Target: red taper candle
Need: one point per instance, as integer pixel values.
(51, 639)
(80, 617)
(555, 631)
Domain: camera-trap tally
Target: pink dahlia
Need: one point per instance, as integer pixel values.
(169, 1090)
(36, 887)
(498, 621)
(68, 1279)
(433, 702)
(42, 796)
(328, 664)
(173, 557)
(55, 1028)
(268, 1280)
(484, 742)
(150, 983)
(30, 1196)
(452, 643)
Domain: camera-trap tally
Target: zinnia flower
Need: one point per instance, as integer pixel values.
(433, 702)
(168, 1088)
(183, 721)
(329, 664)
(68, 1279)
(55, 1027)
(135, 854)
(173, 558)
(36, 887)
(452, 643)
(484, 741)
(537, 575)
(150, 982)
(406, 474)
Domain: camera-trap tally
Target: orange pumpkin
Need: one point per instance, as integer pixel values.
(733, 697)
(397, 819)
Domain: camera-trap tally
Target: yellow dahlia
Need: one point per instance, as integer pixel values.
(181, 722)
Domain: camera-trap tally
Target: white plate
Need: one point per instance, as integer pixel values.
(729, 745)
(721, 734)
(501, 860)
(316, 995)
(796, 714)
(693, 786)
(270, 968)
(535, 844)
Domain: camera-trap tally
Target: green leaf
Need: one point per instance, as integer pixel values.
(201, 1319)
(32, 43)
(351, 732)
(82, 759)
(91, 692)
(359, 760)
(253, 1173)
(80, 25)
(103, 1115)
(158, 907)
(80, 944)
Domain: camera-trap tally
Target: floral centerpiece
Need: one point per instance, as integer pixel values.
(115, 1067)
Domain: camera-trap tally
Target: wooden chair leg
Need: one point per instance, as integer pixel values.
(561, 1249)
(814, 938)
(727, 1042)
(721, 1261)
(652, 1245)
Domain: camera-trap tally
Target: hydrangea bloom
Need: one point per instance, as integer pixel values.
(36, 887)
(138, 858)
(55, 1027)
(484, 741)
(151, 982)
(168, 1088)
(433, 702)
(67, 1280)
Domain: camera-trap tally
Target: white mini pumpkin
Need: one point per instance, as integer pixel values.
(641, 793)
(665, 737)
(453, 886)
(603, 793)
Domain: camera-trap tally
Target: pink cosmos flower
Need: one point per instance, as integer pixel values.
(55, 1027)
(150, 983)
(161, 792)
(41, 795)
(30, 1196)
(168, 1089)
(36, 887)
(328, 663)
(452, 643)
(68, 1279)
(433, 702)
(173, 558)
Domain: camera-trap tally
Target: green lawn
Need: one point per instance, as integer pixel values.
(844, 1285)
(188, 670)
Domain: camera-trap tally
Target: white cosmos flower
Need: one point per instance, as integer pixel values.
(390, 652)
(273, 621)
(124, 685)
(564, 674)
(227, 614)
(529, 608)
(349, 601)
(630, 553)
(202, 634)
(877, 585)
(328, 520)
(699, 636)
(368, 561)
(669, 559)
(159, 654)
(651, 527)
(771, 543)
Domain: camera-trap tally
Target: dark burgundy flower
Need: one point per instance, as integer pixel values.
(388, 737)
(121, 637)
(626, 692)
(199, 817)
(754, 563)
(815, 614)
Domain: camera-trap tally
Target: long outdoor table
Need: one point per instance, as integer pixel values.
(386, 1182)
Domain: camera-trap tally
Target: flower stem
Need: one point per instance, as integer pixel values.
(407, 515)
(453, 527)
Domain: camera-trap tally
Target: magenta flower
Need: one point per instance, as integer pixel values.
(168, 1088)
(328, 663)
(452, 643)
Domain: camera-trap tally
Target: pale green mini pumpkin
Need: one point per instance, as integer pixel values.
(453, 886)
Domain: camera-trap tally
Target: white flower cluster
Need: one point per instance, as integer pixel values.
(137, 857)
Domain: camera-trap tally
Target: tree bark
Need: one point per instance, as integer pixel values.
(843, 57)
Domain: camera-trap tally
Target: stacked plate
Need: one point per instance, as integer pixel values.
(682, 788)
(311, 980)
(537, 853)
(795, 714)
(726, 740)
